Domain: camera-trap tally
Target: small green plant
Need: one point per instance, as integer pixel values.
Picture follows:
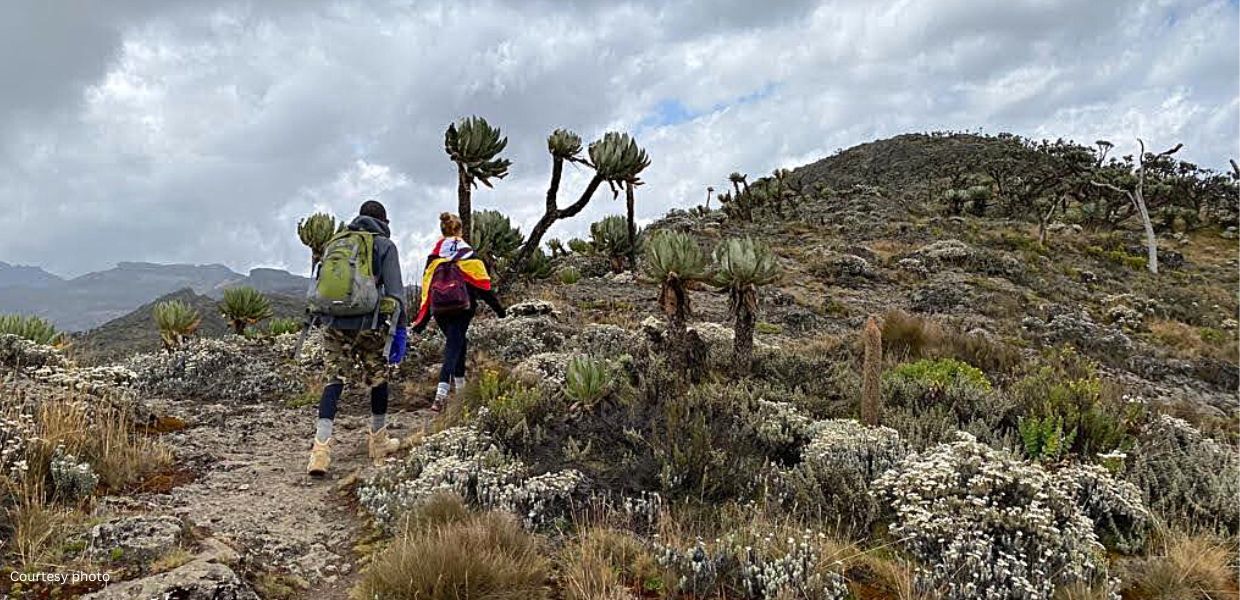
(283, 325)
(30, 327)
(942, 373)
(569, 275)
(580, 246)
(1044, 438)
(538, 266)
(512, 407)
(177, 321)
(586, 381)
(244, 306)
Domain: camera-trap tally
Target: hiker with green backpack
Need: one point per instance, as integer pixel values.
(358, 298)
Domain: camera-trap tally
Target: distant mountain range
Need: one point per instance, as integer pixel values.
(93, 299)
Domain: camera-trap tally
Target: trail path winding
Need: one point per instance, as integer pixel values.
(252, 493)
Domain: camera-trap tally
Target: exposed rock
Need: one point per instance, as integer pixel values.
(531, 308)
(135, 540)
(196, 580)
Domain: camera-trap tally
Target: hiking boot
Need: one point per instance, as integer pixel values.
(381, 445)
(438, 404)
(320, 458)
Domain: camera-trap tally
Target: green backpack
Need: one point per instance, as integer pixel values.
(346, 285)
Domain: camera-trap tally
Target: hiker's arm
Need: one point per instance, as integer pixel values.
(392, 285)
(492, 300)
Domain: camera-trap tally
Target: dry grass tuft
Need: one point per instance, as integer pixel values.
(1190, 567)
(485, 556)
(607, 564)
(1189, 342)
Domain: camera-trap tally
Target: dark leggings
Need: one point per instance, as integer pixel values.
(331, 397)
(454, 328)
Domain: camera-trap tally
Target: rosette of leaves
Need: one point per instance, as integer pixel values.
(244, 306)
(177, 321)
(610, 237)
(315, 231)
(617, 158)
(564, 144)
(741, 266)
(474, 145)
(30, 327)
(493, 236)
(538, 266)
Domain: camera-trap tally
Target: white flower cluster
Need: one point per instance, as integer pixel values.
(1115, 507)
(846, 444)
(945, 252)
(779, 425)
(19, 352)
(763, 569)
(988, 525)
(90, 380)
(224, 369)
(546, 370)
(518, 337)
(72, 479)
(15, 435)
(467, 462)
(837, 466)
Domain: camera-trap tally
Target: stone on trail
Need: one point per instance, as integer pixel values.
(197, 580)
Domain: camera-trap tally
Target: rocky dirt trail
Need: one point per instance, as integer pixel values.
(250, 494)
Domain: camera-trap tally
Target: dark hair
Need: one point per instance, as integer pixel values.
(372, 208)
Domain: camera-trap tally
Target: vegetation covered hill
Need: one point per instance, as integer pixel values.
(889, 374)
(136, 332)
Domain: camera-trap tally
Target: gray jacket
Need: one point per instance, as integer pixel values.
(386, 266)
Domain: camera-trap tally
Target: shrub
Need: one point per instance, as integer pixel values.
(1115, 507)
(538, 266)
(1072, 410)
(758, 560)
(939, 375)
(988, 526)
(32, 328)
(226, 370)
(832, 480)
(586, 381)
(700, 444)
(908, 336)
(511, 407)
(1186, 478)
(470, 464)
(486, 556)
(569, 275)
(72, 479)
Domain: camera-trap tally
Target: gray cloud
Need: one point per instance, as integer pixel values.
(178, 132)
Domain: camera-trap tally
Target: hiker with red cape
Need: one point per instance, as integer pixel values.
(453, 282)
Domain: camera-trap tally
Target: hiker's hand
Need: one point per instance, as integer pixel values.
(419, 328)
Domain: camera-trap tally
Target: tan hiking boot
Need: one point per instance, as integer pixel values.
(381, 445)
(320, 458)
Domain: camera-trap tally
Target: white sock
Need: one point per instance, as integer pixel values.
(458, 384)
(441, 391)
(377, 422)
(323, 430)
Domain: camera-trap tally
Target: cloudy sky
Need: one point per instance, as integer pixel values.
(177, 131)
